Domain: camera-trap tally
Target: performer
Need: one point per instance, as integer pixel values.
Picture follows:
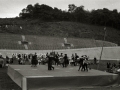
(73, 59)
(56, 59)
(65, 63)
(95, 60)
(81, 64)
(34, 60)
(85, 65)
(50, 58)
(76, 57)
(61, 59)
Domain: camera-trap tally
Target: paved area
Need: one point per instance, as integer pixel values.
(6, 83)
(39, 77)
(59, 71)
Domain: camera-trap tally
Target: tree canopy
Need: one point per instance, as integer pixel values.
(44, 12)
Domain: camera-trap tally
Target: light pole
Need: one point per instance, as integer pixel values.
(102, 45)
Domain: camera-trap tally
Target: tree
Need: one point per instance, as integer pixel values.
(24, 14)
(80, 14)
(71, 8)
(29, 10)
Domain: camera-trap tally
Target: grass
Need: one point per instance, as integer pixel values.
(10, 41)
(59, 29)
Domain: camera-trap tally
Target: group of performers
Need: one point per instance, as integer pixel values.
(52, 58)
(58, 59)
(64, 60)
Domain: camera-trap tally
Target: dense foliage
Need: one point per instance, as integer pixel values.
(43, 12)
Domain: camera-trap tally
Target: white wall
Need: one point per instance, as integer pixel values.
(109, 53)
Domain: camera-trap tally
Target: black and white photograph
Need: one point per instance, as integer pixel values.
(59, 44)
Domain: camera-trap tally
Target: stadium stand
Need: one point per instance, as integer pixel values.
(48, 43)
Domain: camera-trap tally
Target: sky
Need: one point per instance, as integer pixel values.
(12, 8)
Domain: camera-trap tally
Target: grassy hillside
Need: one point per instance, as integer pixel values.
(13, 41)
(58, 29)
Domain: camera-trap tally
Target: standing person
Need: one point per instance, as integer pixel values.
(13, 58)
(76, 58)
(73, 59)
(34, 60)
(7, 59)
(50, 58)
(61, 59)
(19, 58)
(56, 59)
(108, 66)
(95, 60)
(65, 63)
(85, 64)
(30, 58)
(81, 64)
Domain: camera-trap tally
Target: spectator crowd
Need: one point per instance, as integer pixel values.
(52, 58)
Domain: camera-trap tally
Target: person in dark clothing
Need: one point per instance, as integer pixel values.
(56, 59)
(108, 66)
(76, 57)
(65, 63)
(81, 63)
(34, 60)
(50, 58)
(19, 58)
(73, 59)
(95, 60)
(61, 59)
(7, 59)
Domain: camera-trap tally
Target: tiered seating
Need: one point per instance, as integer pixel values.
(48, 43)
(10, 42)
(100, 43)
(88, 43)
